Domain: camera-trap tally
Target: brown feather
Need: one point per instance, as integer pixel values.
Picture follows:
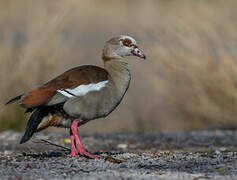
(52, 120)
(72, 78)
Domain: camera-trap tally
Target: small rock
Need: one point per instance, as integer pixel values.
(217, 152)
(7, 152)
(122, 146)
(123, 165)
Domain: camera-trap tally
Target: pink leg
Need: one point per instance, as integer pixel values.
(73, 150)
(79, 145)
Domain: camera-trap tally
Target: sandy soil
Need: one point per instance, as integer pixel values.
(207, 154)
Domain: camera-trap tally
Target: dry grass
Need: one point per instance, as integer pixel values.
(188, 81)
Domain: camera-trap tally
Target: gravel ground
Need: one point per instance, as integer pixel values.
(206, 154)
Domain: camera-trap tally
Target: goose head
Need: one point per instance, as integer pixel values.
(120, 47)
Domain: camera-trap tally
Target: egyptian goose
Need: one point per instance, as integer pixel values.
(81, 94)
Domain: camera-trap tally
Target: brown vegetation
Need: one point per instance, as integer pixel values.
(188, 81)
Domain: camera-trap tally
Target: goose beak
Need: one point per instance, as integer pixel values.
(137, 52)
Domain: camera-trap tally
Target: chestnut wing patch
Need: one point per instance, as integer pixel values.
(36, 97)
(76, 81)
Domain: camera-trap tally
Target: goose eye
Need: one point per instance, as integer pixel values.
(127, 42)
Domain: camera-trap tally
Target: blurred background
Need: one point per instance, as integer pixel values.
(188, 81)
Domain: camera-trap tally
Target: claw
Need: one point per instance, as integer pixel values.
(73, 155)
(91, 155)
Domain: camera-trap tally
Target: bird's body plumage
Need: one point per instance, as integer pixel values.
(80, 94)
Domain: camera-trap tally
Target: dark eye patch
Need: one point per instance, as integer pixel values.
(127, 42)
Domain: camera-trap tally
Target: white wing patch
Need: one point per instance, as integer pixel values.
(83, 89)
